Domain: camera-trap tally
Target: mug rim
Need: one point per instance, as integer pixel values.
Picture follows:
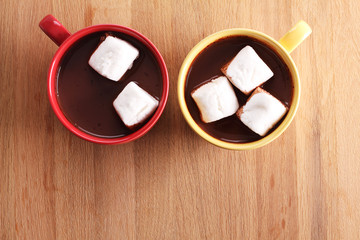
(52, 79)
(279, 50)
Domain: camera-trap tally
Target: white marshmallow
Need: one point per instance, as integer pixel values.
(113, 58)
(261, 112)
(134, 105)
(247, 70)
(215, 99)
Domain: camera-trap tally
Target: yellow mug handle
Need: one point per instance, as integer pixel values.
(295, 36)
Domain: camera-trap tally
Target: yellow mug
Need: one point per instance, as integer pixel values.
(282, 48)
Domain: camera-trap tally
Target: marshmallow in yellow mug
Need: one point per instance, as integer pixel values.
(282, 48)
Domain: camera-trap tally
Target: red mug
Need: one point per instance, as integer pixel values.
(58, 33)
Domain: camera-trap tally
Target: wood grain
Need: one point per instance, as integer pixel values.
(171, 184)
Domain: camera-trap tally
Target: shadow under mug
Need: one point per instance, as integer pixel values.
(62, 37)
(282, 48)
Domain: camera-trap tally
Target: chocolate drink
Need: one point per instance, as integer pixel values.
(86, 97)
(207, 65)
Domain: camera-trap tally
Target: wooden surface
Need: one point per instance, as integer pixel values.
(172, 184)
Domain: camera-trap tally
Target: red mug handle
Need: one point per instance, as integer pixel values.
(54, 29)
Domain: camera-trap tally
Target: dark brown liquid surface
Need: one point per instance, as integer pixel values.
(86, 97)
(207, 65)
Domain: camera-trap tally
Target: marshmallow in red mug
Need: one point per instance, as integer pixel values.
(113, 57)
(134, 105)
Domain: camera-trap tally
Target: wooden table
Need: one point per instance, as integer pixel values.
(172, 184)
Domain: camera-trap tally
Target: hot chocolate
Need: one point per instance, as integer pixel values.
(86, 97)
(209, 63)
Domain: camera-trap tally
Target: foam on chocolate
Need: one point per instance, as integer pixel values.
(215, 99)
(134, 105)
(247, 70)
(113, 58)
(261, 111)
